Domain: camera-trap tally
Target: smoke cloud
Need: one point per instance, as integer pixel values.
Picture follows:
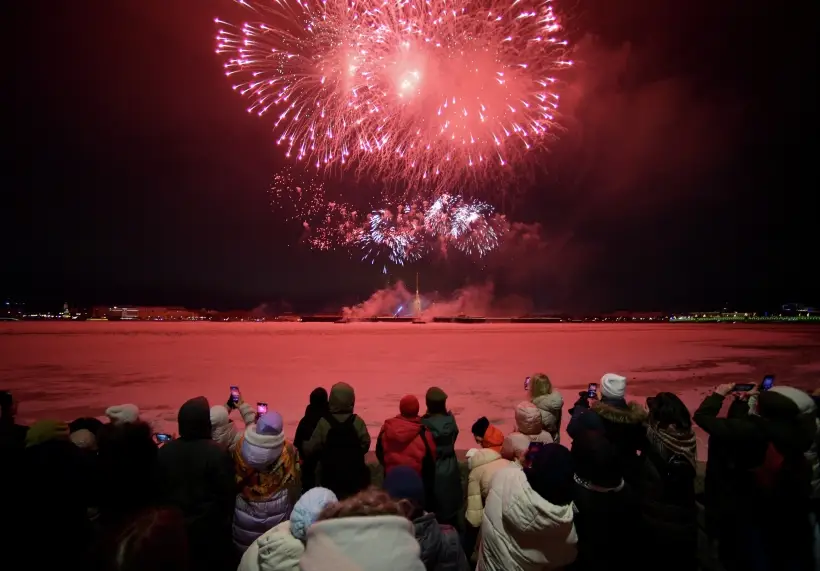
(479, 301)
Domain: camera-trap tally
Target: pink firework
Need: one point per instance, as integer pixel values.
(432, 93)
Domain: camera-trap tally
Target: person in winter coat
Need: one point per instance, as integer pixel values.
(528, 422)
(316, 409)
(549, 402)
(404, 440)
(666, 485)
(339, 444)
(280, 548)
(763, 513)
(486, 435)
(448, 491)
(528, 521)
(267, 471)
(196, 476)
(440, 544)
(12, 435)
(122, 413)
(623, 422)
(366, 532)
(515, 447)
(223, 430)
(607, 514)
(483, 464)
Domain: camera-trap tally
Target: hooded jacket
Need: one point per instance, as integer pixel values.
(275, 550)
(550, 406)
(360, 544)
(341, 402)
(521, 531)
(400, 443)
(223, 429)
(440, 545)
(483, 463)
(623, 424)
(528, 421)
(196, 476)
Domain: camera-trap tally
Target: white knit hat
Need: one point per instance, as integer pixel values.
(613, 386)
(123, 414)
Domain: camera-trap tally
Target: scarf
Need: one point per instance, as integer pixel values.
(669, 441)
(260, 486)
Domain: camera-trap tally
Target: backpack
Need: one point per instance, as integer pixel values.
(428, 473)
(343, 469)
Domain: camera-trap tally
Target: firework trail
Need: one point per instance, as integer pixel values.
(400, 234)
(433, 93)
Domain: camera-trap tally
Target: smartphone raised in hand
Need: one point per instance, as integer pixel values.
(261, 408)
(592, 390)
(162, 437)
(767, 383)
(236, 396)
(527, 384)
(743, 387)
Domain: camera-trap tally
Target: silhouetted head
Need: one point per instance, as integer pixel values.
(194, 419)
(318, 398)
(126, 458)
(8, 407)
(666, 409)
(154, 541)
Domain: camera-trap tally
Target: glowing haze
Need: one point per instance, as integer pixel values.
(429, 93)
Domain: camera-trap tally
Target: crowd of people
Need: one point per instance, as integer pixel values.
(112, 496)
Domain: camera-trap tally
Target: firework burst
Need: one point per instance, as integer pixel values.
(398, 233)
(432, 93)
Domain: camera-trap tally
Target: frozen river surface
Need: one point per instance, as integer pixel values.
(66, 370)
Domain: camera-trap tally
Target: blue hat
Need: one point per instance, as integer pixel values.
(404, 483)
(307, 510)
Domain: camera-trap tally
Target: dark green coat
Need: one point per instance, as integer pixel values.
(449, 493)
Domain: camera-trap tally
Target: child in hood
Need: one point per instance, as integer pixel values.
(280, 548)
(549, 402)
(486, 435)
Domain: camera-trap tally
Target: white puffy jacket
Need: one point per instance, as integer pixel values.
(521, 531)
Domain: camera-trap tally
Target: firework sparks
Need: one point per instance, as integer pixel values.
(434, 93)
(398, 234)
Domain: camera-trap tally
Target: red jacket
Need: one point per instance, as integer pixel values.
(400, 443)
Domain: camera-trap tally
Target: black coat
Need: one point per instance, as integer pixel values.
(668, 513)
(775, 520)
(608, 528)
(196, 475)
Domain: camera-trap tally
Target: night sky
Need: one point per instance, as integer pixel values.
(133, 174)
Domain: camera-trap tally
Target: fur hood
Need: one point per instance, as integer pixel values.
(634, 413)
(552, 402)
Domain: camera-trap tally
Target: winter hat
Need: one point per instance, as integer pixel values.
(551, 474)
(318, 397)
(84, 439)
(613, 386)
(409, 406)
(93, 425)
(480, 426)
(219, 416)
(307, 510)
(436, 399)
(803, 401)
(404, 483)
(783, 403)
(46, 430)
(596, 460)
(514, 444)
(123, 413)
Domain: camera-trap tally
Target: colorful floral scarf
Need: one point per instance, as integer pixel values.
(260, 486)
